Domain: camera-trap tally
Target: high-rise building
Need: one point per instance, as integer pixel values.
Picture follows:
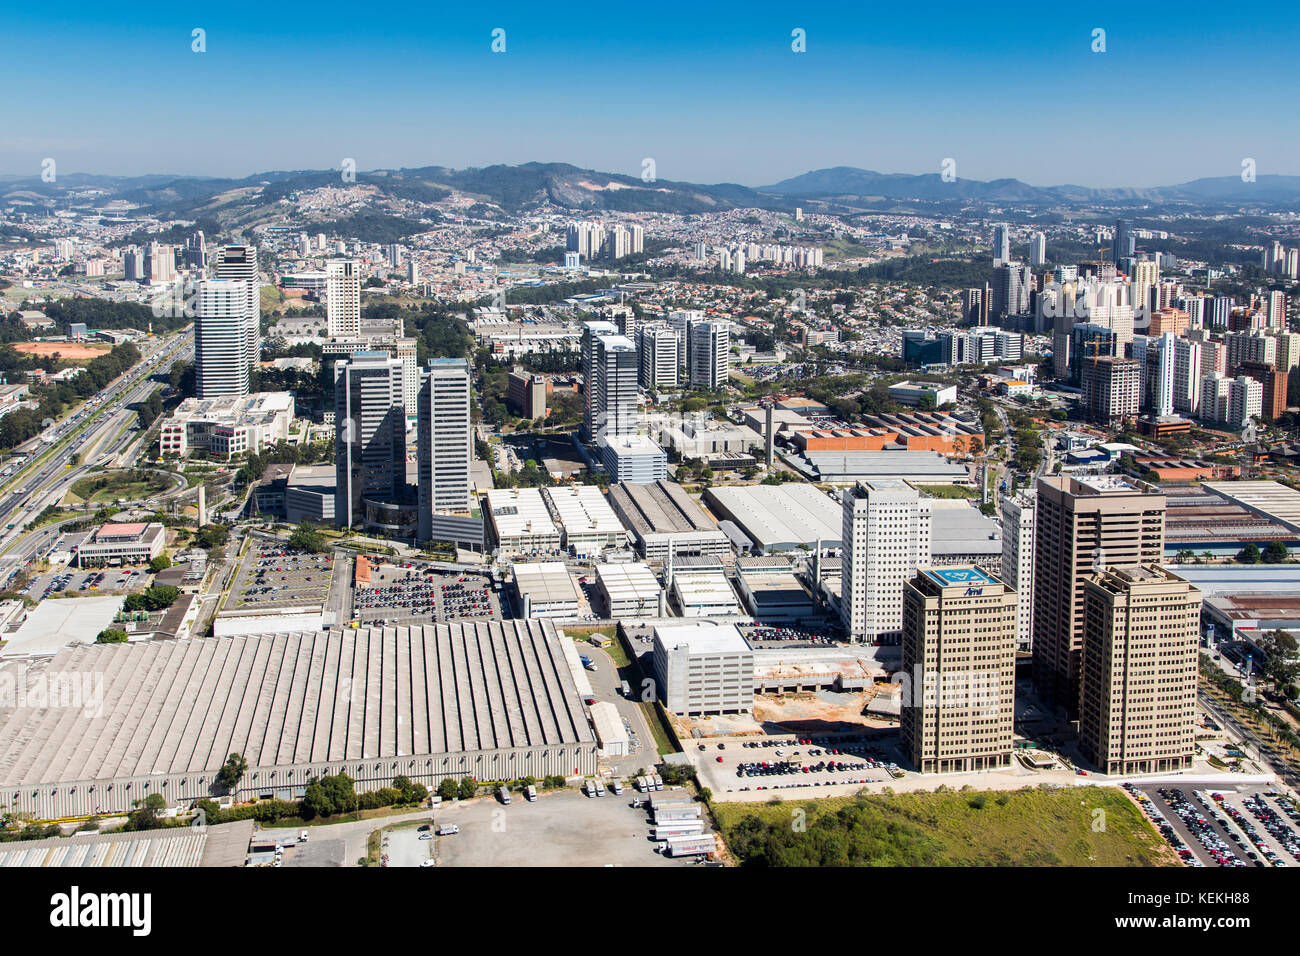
(1082, 523)
(1139, 668)
(342, 299)
(959, 662)
(221, 338)
(1253, 347)
(1012, 283)
(1018, 560)
(1245, 401)
(609, 364)
(885, 538)
(1187, 377)
(1038, 249)
(240, 262)
(1273, 386)
(656, 347)
(1001, 244)
(710, 361)
(444, 443)
(159, 263)
(370, 433)
(1122, 244)
(1111, 388)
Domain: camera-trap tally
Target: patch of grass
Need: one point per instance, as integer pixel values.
(949, 491)
(1016, 828)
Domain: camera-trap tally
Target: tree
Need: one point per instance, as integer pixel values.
(1275, 553)
(468, 789)
(111, 635)
(328, 796)
(307, 537)
(160, 563)
(232, 771)
(1249, 554)
(148, 815)
(448, 789)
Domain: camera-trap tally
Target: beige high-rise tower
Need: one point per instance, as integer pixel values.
(959, 658)
(1138, 695)
(1083, 524)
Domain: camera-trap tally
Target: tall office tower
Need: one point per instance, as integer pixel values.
(1112, 389)
(1274, 257)
(886, 538)
(1138, 695)
(1038, 249)
(624, 319)
(221, 338)
(975, 305)
(196, 251)
(610, 367)
(239, 262)
(1001, 244)
(1018, 560)
(959, 655)
(701, 251)
(342, 299)
(710, 355)
(656, 349)
(1011, 285)
(393, 252)
(738, 262)
(1194, 306)
(1122, 244)
(1169, 320)
(444, 443)
(412, 271)
(1219, 311)
(1187, 377)
(1291, 269)
(370, 433)
(638, 238)
(1104, 520)
(682, 320)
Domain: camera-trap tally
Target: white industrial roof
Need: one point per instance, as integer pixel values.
(546, 582)
(782, 515)
(703, 638)
(628, 581)
(520, 511)
(584, 509)
(55, 623)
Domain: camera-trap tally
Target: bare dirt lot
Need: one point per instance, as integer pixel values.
(69, 351)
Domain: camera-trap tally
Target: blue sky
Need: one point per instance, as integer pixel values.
(713, 93)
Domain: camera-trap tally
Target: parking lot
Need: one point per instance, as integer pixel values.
(1252, 826)
(271, 578)
(103, 581)
(409, 594)
(742, 765)
(563, 828)
(770, 635)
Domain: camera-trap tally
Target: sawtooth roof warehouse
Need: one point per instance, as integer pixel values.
(492, 701)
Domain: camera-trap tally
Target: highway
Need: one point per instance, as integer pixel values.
(96, 434)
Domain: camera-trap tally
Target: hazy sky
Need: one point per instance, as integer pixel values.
(711, 93)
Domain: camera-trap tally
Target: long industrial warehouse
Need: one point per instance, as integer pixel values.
(492, 701)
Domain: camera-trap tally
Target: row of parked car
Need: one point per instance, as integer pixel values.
(1272, 821)
(1201, 828)
(1164, 826)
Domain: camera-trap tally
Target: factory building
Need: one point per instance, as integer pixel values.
(488, 700)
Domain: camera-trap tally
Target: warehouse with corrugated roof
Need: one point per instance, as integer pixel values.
(98, 727)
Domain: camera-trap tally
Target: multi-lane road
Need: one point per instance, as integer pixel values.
(90, 436)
